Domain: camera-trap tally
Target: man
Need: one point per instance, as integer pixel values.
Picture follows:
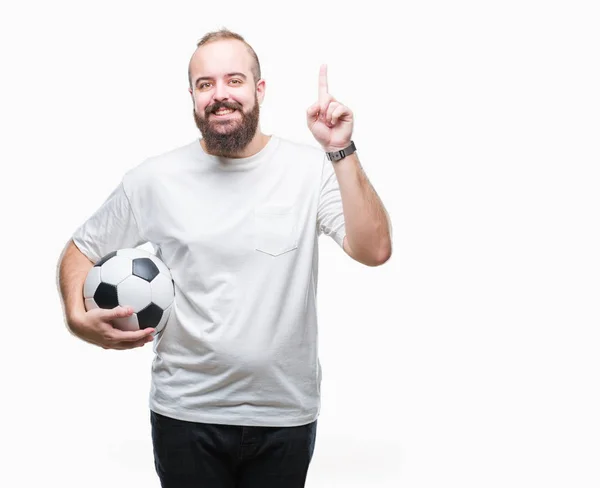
(235, 215)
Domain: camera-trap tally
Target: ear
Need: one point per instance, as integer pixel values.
(260, 90)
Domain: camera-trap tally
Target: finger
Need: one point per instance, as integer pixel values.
(323, 89)
(122, 345)
(116, 313)
(332, 107)
(140, 343)
(313, 111)
(340, 112)
(114, 335)
(122, 312)
(325, 106)
(132, 335)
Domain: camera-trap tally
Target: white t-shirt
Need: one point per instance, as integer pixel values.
(240, 238)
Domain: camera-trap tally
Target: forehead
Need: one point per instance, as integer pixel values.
(218, 58)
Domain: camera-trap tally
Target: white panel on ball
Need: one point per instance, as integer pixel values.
(90, 304)
(162, 290)
(91, 282)
(116, 269)
(127, 323)
(134, 292)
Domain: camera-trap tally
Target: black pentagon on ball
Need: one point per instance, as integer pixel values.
(106, 296)
(145, 269)
(149, 316)
(106, 258)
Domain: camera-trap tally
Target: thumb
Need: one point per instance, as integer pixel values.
(313, 111)
(119, 312)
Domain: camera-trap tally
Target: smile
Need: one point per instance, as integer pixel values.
(223, 111)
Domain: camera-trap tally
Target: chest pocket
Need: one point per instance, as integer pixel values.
(275, 229)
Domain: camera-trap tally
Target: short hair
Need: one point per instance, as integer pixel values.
(223, 34)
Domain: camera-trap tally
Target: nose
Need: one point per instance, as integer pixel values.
(220, 92)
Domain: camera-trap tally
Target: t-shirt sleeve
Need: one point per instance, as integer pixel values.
(330, 214)
(113, 226)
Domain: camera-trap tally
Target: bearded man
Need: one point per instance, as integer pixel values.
(235, 215)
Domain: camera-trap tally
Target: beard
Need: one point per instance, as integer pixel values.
(227, 137)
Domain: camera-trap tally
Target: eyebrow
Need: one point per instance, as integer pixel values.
(228, 75)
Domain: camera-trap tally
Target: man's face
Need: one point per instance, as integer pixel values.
(226, 96)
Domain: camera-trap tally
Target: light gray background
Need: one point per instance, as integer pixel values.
(470, 359)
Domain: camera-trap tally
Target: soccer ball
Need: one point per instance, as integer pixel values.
(131, 278)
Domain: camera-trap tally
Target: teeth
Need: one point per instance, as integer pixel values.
(224, 111)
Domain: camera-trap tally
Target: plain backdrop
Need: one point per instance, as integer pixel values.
(470, 359)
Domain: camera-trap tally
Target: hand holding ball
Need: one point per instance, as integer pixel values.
(131, 278)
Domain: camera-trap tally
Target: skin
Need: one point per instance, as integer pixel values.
(94, 326)
(330, 122)
(226, 70)
(368, 229)
(221, 71)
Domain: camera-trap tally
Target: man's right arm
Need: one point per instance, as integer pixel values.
(92, 326)
(73, 269)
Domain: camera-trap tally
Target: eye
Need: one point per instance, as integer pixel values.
(235, 81)
(203, 85)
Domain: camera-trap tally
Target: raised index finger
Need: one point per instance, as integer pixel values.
(323, 90)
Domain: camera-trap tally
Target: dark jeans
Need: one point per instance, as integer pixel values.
(198, 455)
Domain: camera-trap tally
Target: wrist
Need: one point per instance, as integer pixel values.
(337, 153)
(337, 147)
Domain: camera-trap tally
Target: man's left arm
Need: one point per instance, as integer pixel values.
(368, 228)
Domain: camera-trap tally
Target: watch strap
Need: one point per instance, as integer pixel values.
(337, 155)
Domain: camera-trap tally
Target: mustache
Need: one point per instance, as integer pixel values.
(218, 105)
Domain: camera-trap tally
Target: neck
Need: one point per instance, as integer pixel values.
(258, 142)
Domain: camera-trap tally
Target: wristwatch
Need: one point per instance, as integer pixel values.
(337, 155)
